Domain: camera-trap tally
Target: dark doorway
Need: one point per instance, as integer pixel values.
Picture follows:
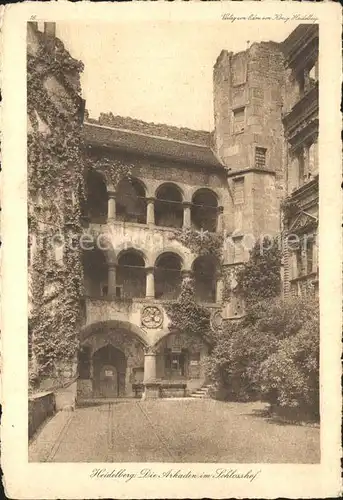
(109, 365)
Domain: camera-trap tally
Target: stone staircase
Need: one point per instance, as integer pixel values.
(201, 393)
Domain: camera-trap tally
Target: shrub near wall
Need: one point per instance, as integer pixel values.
(273, 352)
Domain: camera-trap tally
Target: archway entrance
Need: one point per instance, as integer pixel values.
(109, 365)
(110, 360)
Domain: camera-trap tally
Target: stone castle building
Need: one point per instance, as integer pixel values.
(301, 124)
(230, 183)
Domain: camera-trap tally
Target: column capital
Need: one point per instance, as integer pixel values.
(186, 273)
(111, 194)
(187, 204)
(150, 269)
(112, 265)
(220, 209)
(150, 199)
(150, 351)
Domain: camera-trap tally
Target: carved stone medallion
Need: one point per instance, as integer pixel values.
(152, 317)
(216, 320)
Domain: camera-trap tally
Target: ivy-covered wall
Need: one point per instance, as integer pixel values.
(55, 191)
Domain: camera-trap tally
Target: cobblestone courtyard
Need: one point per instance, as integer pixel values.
(173, 431)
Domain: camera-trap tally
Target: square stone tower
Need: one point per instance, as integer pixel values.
(249, 140)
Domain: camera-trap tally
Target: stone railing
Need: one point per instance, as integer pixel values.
(98, 309)
(41, 407)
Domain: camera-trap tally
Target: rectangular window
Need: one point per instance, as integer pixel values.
(298, 263)
(238, 120)
(239, 250)
(260, 157)
(309, 257)
(301, 167)
(238, 191)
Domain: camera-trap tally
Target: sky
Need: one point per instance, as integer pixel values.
(161, 71)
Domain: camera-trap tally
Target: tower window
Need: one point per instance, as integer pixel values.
(260, 157)
(238, 120)
(238, 191)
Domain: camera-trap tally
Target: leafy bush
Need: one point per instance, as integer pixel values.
(272, 352)
(290, 376)
(260, 278)
(188, 316)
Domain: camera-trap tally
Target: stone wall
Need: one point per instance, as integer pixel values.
(41, 407)
(248, 96)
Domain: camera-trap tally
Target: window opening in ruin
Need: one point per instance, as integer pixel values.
(301, 167)
(95, 271)
(260, 157)
(175, 363)
(309, 257)
(95, 207)
(238, 191)
(204, 270)
(131, 201)
(131, 275)
(204, 211)
(168, 207)
(238, 120)
(168, 276)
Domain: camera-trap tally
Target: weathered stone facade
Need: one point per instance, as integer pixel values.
(301, 125)
(229, 183)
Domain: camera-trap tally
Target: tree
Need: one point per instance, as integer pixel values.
(260, 278)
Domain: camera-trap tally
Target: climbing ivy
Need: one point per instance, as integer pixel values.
(186, 315)
(113, 169)
(201, 242)
(260, 277)
(55, 187)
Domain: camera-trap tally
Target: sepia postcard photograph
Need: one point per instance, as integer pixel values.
(171, 268)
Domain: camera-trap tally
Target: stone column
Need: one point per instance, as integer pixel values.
(111, 284)
(111, 205)
(149, 367)
(220, 219)
(186, 274)
(151, 385)
(150, 283)
(187, 215)
(150, 211)
(219, 289)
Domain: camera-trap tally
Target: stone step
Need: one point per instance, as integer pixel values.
(199, 396)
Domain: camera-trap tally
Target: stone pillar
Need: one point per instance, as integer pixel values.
(186, 274)
(111, 284)
(111, 205)
(150, 283)
(149, 367)
(220, 220)
(151, 385)
(187, 215)
(150, 211)
(219, 289)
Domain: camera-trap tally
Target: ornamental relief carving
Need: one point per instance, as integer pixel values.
(151, 317)
(216, 320)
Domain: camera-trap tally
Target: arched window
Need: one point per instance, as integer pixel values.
(95, 207)
(131, 274)
(204, 210)
(95, 272)
(130, 201)
(204, 271)
(168, 206)
(168, 276)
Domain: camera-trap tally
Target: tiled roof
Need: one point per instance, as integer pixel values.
(179, 133)
(148, 144)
